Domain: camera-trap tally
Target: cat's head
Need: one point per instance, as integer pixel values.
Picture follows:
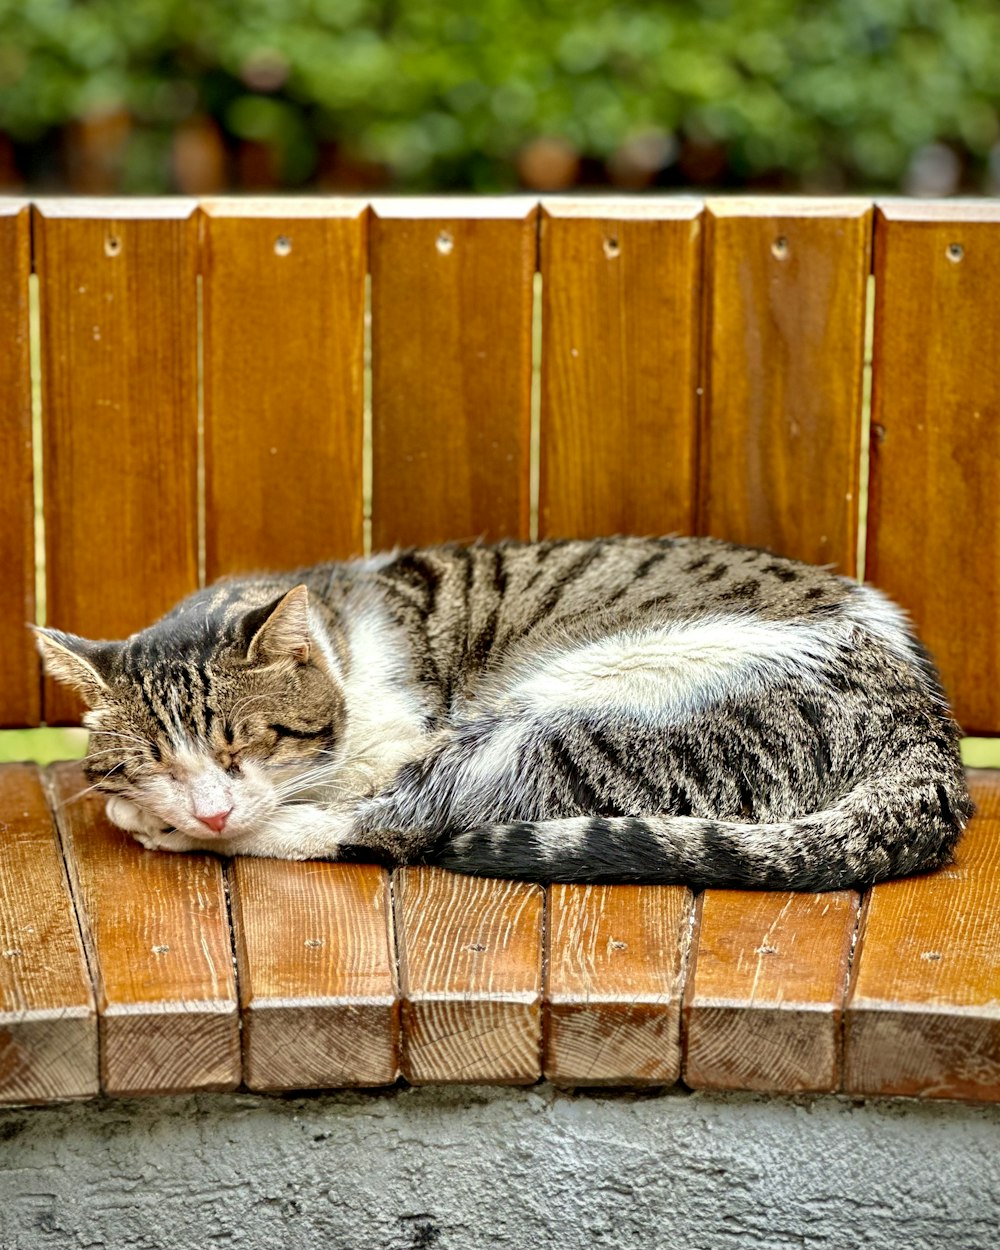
(210, 720)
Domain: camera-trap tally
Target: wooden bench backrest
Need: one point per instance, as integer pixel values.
(702, 369)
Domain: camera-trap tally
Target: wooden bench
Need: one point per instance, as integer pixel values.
(570, 368)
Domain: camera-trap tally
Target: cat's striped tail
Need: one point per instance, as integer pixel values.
(883, 828)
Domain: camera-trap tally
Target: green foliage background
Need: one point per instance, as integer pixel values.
(444, 95)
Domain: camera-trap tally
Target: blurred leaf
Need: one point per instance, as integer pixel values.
(448, 93)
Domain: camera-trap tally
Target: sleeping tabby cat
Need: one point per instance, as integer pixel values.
(675, 709)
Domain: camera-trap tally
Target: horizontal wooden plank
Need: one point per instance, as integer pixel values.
(614, 964)
(157, 935)
(317, 974)
(470, 969)
(923, 1013)
(765, 992)
(20, 692)
(48, 1020)
(621, 316)
(934, 509)
(781, 430)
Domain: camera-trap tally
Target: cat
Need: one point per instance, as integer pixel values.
(613, 710)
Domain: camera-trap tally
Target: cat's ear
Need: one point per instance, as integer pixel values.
(284, 635)
(77, 662)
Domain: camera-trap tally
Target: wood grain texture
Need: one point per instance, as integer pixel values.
(283, 308)
(765, 991)
(923, 1012)
(48, 1021)
(119, 372)
(20, 694)
(470, 970)
(157, 935)
(451, 370)
(614, 968)
(784, 362)
(317, 974)
(934, 511)
(621, 300)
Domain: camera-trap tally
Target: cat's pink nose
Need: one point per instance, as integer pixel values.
(217, 821)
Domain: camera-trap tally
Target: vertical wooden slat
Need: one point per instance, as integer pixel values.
(766, 990)
(283, 299)
(316, 974)
(119, 371)
(451, 393)
(470, 970)
(620, 361)
(451, 369)
(785, 356)
(923, 1013)
(934, 515)
(19, 688)
(614, 969)
(157, 934)
(48, 1023)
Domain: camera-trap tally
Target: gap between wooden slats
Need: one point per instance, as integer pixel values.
(784, 361)
(48, 1022)
(451, 369)
(470, 968)
(283, 315)
(316, 972)
(613, 978)
(20, 696)
(621, 326)
(157, 934)
(765, 990)
(117, 284)
(923, 1012)
(934, 514)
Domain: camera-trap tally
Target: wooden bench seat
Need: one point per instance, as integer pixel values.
(241, 384)
(322, 975)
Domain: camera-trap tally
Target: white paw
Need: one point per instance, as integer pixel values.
(148, 830)
(132, 818)
(301, 831)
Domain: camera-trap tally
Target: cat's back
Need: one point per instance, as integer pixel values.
(525, 584)
(484, 598)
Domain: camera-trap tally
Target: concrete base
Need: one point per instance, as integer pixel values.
(460, 1169)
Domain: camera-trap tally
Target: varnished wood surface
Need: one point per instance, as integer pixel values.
(470, 969)
(934, 511)
(157, 934)
(923, 1014)
(766, 989)
(317, 974)
(620, 367)
(283, 300)
(763, 978)
(48, 1022)
(119, 370)
(614, 969)
(784, 357)
(451, 372)
(19, 689)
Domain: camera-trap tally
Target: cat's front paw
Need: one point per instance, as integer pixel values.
(148, 830)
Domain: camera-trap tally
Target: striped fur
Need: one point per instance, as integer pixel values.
(611, 710)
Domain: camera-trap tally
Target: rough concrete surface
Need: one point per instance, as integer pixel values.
(464, 1168)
